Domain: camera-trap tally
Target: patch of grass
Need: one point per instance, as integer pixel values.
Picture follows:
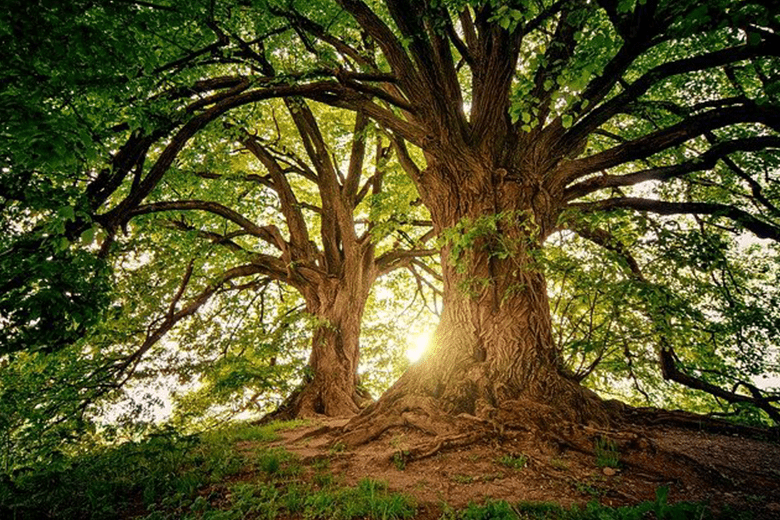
(369, 499)
(607, 454)
(322, 476)
(656, 510)
(513, 461)
(278, 463)
(338, 447)
(559, 463)
(462, 479)
(588, 488)
(492, 510)
(399, 459)
(166, 471)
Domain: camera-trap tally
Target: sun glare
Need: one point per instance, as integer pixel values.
(417, 346)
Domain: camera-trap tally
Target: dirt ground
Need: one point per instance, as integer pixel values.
(729, 471)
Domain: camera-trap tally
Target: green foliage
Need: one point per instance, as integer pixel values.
(399, 459)
(607, 454)
(491, 233)
(165, 468)
(513, 461)
(711, 297)
(491, 510)
(278, 463)
(164, 471)
(660, 509)
(51, 293)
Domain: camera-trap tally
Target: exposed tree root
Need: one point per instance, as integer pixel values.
(395, 411)
(692, 421)
(440, 444)
(311, 400)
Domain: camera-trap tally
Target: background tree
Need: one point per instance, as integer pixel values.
(79, 163)
(332, 268)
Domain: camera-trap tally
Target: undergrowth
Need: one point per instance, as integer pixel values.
(218, 475)
(659, 509)
(212, 476)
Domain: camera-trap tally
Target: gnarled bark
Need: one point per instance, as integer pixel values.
(492, 358)
(331, 386)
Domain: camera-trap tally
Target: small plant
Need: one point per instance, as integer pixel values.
(320, 465)
(491, 476)
(322, 480)
(539, 511)
(463, 479)
(278, 463)
(399, 459)
(559, 463)
(587, 488)
(338, 447)
(492, 510)
(513, 461)
(607, 454)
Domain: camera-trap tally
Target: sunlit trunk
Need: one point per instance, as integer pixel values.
(492, 355)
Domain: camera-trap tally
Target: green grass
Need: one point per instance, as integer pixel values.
(659, 509)
(513, 461)
(166, 470)
(607, 454)
(170, 476)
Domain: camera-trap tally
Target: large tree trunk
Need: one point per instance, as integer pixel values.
(492, 356)
(331, 385)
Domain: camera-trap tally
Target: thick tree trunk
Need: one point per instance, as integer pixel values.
(492, 357)
(331, 386)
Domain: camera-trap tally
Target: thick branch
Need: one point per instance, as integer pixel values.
(606, 111)
(269, 234)
(666, 138)
(758, 227)
(705, 161)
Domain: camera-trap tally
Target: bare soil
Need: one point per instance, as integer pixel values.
(731, 472)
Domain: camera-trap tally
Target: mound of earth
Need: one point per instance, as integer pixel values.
(729, 471)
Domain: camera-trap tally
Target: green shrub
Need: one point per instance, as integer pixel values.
(513, 461)
(607, 454)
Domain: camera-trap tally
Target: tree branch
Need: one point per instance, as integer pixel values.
(758, 227)
(705, 161)
(665, 138)
(269, 234)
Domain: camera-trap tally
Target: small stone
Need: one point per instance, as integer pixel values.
(610, 472)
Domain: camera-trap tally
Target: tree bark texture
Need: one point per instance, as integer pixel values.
(492, 356)
(332, 384)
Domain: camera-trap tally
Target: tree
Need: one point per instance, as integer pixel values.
(566, 101)
(333, 268)
(327, 256)
(533, 117)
